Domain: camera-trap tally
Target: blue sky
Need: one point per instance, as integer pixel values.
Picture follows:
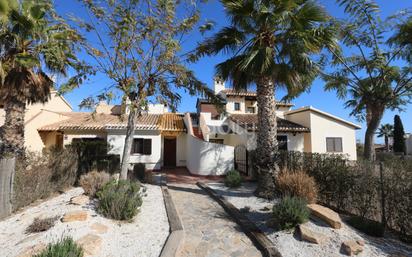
(204, 69)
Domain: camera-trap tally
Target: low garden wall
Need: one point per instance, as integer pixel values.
(379, 191)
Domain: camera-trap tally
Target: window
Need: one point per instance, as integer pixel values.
(334, 144)
(250, 110)
(282, 143)
(216, 141)
(142, 146)
(237, 106)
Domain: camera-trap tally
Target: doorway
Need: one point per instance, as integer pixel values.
(169, 152)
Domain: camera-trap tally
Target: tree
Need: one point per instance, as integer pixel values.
(34, 42)
(369, 74)
(386, 131)
(139, 48)
(272, 44)
(399, 145)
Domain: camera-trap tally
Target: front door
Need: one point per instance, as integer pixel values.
(169, 152)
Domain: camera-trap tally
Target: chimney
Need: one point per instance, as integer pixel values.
(219, 85)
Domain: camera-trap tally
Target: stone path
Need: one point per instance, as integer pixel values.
(209, 231)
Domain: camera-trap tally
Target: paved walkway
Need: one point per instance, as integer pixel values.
(209, 231)
(182, 175)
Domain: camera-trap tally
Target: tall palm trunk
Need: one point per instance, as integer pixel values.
(12, 134)
(387, 143)
(128, 141)
(374, 118)
(266, 149)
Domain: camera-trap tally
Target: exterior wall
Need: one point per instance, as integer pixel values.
(295, 142)
(208, 108)
(303, 118)
(230, 104)
(408, 142)
(181, 150)
(322, 127)
(204, 158)
(153, 162)
(69, 135)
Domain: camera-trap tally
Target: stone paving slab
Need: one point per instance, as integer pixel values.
(209, 231)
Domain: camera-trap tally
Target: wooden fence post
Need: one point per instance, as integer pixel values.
(383, 195)
(7, 167)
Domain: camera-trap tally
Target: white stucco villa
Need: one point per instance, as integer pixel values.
(207, 142)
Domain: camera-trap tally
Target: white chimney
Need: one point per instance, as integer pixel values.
(219, 85)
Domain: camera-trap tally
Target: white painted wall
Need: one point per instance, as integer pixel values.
(205, 158)
(408, 142)
(321, 127)
(181, 150)
(69, 135)
(116, 138)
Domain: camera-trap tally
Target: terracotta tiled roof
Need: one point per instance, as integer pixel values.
(250, 121)
(171, 122)
(232, 92)
(100, 121)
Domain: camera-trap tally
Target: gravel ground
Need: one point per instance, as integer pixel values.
(290, 245)
(142, 237)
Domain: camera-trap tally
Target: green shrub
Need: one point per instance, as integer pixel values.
(290, 212)
(93, 181)
(233, 179)
(139, 172)
(368, 227)
(119, 200)
(64, 248)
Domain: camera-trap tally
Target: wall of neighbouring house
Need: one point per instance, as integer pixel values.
(39, 115)
(115, 139)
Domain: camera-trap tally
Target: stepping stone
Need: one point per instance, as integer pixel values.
(99, 228)
(75, 216)
(326, 214)
(311, 236)
(32, 250)
(80, 200)
(351, 248)
(91, 244)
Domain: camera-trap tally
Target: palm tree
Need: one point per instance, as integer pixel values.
(367, 70)
(386, 131)
(271, 43)
(34, 41)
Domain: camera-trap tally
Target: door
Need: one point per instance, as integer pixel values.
(241, 159)
(169, 152)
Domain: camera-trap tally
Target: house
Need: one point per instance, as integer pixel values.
(36, 116)
(305, 129)
(209, 142)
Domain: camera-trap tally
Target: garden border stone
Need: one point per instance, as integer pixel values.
(261, 241)
(176, 237)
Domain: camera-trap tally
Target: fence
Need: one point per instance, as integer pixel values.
(380, 191)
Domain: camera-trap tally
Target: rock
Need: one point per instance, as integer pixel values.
(326, 214)
(75, 216)
(351, 248)
(398, 255)
(80, 200)
(360, 242)
(90, 243)
(99, 228)
(32, 250)
(311, 236)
